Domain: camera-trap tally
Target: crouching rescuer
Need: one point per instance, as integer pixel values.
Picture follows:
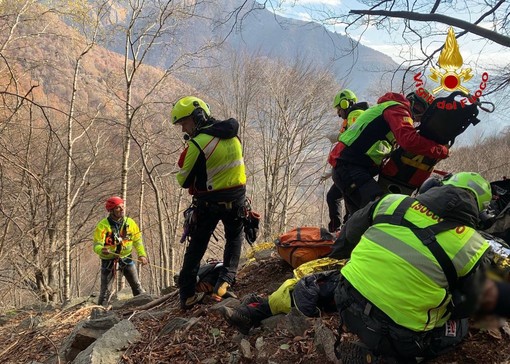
(212, 168)
(418, 270)
(114, 239)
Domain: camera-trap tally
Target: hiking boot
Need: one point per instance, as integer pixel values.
(220, 290)
(237, 317)
(192, 301)
(355, 352)
(230, 294)
(251, 298)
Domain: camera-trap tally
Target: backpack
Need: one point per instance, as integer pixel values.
(445, 119)
(207, 276)
(303, 244)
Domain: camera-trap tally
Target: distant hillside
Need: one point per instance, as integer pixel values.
(47, 60)
(254, 30)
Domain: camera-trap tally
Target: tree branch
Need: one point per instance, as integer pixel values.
(485, 33)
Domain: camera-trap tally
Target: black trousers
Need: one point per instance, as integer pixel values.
(208, 216)
(357, 185)
(334, 199)
(385, 337)
(128, 268)
(258, 311)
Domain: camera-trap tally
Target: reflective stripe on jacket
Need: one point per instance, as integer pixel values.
(395, 271)
(369, 140)
(130, 234)
(212, 164)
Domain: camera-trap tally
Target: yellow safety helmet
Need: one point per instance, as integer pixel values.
(345, 99)
(475, 183)
(187, 106)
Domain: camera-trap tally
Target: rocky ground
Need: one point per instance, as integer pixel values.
(36, 334)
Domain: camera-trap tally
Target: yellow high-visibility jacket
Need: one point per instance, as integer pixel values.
(129, 233)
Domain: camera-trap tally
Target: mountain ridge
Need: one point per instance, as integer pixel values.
(255, 30)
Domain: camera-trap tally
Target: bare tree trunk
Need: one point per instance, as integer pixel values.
(77, 271)
(141, 213)
(67, 224)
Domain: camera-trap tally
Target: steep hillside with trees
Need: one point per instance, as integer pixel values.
(80, 123)
(62, 132)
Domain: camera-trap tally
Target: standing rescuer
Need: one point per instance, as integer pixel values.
(212, 168)
(371, 139)
(348, 109)
(417, 270)
(114, 239)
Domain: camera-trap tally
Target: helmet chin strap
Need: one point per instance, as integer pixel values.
(195, 130)
(199, 120)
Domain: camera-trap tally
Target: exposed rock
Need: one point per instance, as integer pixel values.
(80, 301)
(245, 348)
(139, 300)
(178, 323)
(86, 333)
(272, 322)
(263, 254)
(325, 341)
(296, 323)
(235, 358)
(108, 348)
(210, 361)
(229, 302)
(30, 323)
(261, 347)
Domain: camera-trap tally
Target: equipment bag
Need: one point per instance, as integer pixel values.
(303, 244)
(445, 119)
(208, 275)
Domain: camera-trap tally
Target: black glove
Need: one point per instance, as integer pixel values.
(251, 226)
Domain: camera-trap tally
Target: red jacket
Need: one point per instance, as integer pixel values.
(400, 122)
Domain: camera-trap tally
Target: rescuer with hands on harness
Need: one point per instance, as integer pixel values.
(367, 143)
(212, 168)
(114, 239)
(417, 271)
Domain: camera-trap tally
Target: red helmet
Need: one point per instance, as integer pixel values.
(113, 202)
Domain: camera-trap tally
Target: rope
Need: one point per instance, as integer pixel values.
(148, 263)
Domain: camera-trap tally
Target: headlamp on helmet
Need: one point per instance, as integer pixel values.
(187, 106)
(344, 99)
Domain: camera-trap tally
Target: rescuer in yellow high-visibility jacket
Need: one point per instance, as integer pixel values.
(212, 168)
(371, 139)
(417, 269)
(348, 109)
(114, 239)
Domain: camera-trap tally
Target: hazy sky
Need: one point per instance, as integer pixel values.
(473, 49)
(477, 53)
